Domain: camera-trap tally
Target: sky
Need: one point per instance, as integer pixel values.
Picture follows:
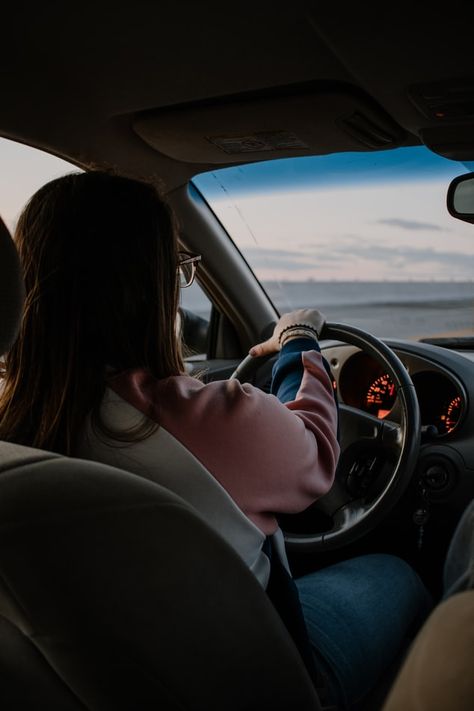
(335, 169)
(367, 217)
(361, 216)
(23, 171)
(347, 233)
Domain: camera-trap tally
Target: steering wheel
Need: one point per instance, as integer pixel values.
(377, 458)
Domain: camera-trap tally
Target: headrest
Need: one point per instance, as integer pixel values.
(11, 290)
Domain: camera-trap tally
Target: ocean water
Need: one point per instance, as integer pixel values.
(387, 309)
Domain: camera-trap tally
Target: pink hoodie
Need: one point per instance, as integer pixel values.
(270, 457)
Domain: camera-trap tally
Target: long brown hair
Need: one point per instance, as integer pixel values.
(99, 257)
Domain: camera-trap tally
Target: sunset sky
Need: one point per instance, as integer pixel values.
(323, 223)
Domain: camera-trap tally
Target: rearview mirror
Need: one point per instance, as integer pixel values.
(460, 198)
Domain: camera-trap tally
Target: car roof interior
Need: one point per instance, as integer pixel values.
(171, 89)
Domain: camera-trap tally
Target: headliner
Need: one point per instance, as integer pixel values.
(76, 81)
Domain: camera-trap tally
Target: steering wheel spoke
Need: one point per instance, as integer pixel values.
(347, 514)
(337, 498)
(359, 426)
(356, 425)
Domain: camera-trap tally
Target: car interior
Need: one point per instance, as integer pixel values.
(114, 592)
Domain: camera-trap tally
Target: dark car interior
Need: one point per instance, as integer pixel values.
(97, 566)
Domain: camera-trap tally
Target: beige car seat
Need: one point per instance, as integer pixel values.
(115, 595)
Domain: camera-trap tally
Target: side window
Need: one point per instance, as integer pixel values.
(23, 171)
(195, 311)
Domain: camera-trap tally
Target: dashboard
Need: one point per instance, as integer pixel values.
(444, 383)
(441, 396)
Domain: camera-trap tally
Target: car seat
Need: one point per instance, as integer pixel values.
(116, 595)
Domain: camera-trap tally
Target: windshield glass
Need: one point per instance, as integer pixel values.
(365, 237)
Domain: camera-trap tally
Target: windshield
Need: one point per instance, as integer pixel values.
(365, 237)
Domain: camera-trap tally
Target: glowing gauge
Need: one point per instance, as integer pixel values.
(381, 397)
(450, 416)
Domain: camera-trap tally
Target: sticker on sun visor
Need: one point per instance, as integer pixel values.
(256, 142)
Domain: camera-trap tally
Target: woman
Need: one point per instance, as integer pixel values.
(97, 372)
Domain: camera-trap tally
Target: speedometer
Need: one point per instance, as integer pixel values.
(450, 416)
(381, 396)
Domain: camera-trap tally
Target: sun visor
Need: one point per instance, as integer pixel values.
(231, 130)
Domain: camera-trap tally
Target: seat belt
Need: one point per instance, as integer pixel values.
(283, 594)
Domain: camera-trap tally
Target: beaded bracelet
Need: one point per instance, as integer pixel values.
(297, 331)
(302, 327)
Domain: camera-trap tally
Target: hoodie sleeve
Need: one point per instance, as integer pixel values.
(270, 457)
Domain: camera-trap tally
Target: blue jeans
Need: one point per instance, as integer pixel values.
(360, 616)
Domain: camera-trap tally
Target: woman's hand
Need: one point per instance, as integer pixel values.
(295, 324)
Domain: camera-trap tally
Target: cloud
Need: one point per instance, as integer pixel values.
(410, 224)
(359, 259)
(261, 258)
(388, 255)
(413, 254)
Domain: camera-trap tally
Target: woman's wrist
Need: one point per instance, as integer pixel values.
(297, 331)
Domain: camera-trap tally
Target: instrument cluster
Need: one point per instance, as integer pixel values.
(364, 384)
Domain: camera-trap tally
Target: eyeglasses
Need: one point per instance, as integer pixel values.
(187, 265)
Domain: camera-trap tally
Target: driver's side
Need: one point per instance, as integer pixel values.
(109, 597)
(126, 401)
